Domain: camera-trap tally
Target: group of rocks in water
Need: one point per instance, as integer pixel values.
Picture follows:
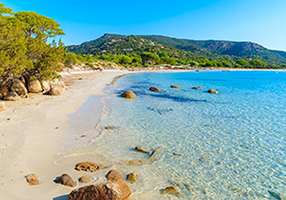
(131, 95)
(18, 88)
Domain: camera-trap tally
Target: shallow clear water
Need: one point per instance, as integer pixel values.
(230, 145)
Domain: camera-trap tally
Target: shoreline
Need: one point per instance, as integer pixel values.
(36, 130)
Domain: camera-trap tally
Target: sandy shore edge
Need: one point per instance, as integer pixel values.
(33, 130)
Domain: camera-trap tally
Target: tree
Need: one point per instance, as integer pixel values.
(147, 56)
(242, 62)
(257, 63)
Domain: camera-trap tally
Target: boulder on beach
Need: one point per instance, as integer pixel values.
(132, 177)
(113, 175)
(57, 88)
(2, 106)
(154, 89)
(34, 86)
(105, 191)
(55, 91)
(109, 127)
(18, 87)
(140, 149)
(175, 86)
(12, 96)
(3, 92)
(89, 166)
(32, 179)
(128, 94)
(66, 180)
(46, 86)
(84, 179)
(171, 190)
(213, 91)
(197, 88)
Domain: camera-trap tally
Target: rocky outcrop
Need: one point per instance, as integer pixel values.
(4, 92)
(89, 166)
(32, 179)
(84, 179)
(132, 177)
(57, 88)
(197, 88)
(12, 96)
(175, 86)
(113, 175)
(154, 89)
(139, 149)
(18, 87)
(128, 94)
(66, 180)
(2, 106)
(105, 191)
(45, 86)
(34, 86)
(212, 91)
(171, 190)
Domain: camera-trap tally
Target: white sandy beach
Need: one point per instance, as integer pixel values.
(34, 129)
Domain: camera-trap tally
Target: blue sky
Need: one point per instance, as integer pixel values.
(260, 21)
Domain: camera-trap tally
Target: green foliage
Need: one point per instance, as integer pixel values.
(242, 62)
(70, 59)
(257, 63)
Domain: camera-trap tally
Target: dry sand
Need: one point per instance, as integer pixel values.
(34, 129)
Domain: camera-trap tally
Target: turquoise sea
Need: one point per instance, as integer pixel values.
(230, 145)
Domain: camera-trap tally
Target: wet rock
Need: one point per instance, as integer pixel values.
(212, 91)
(105, 191)
(84, 179)
(18, 87)
(239, 191)
(245, 146)
(66, 180)
(203, 158)
(32, 179)
(154, 89)
(171, 190)
(132, 177)
(89, 166)
(137, 162)
(34, 86)
(113, 175)
(154, 155)
(188, 187)
(175, 86)
(128, 94)
(277, 195)
(197, 88)
(139, 149)
(12, 96)
(2, 106)
(109, 127)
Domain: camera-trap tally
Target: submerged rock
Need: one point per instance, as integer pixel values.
(139, 149)
(137, 162)
(277, 195)
(175, 86)
(32, 179)
(197, 88)
(113, 175)
(203, 158)
(12, 96)
(105, 191)
(89, 166)
(84, 179)
(171, 190)
(154, 89)
(132, 177)
(66, 180)
(212, 91)
(128, 94)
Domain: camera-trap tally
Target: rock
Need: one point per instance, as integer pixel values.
(203, 158)
(89, 166)
(65, 179)
(128, 94)
(105, 191)
(213, 91)
(113, 175)
(141, 150)
(46, 86)
(34, 86)
(277, 195)
(175, 86)
(197, 88)
(109, 127)
(18, 87)
(154, 89)
(55, 91)
(171, 190)
(84, 179)
(132, 177)
(12, 96)
(2, 106)
(32, 179)
(4, 92)
(137, 162)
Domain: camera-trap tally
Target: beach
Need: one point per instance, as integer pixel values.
(34, 129)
